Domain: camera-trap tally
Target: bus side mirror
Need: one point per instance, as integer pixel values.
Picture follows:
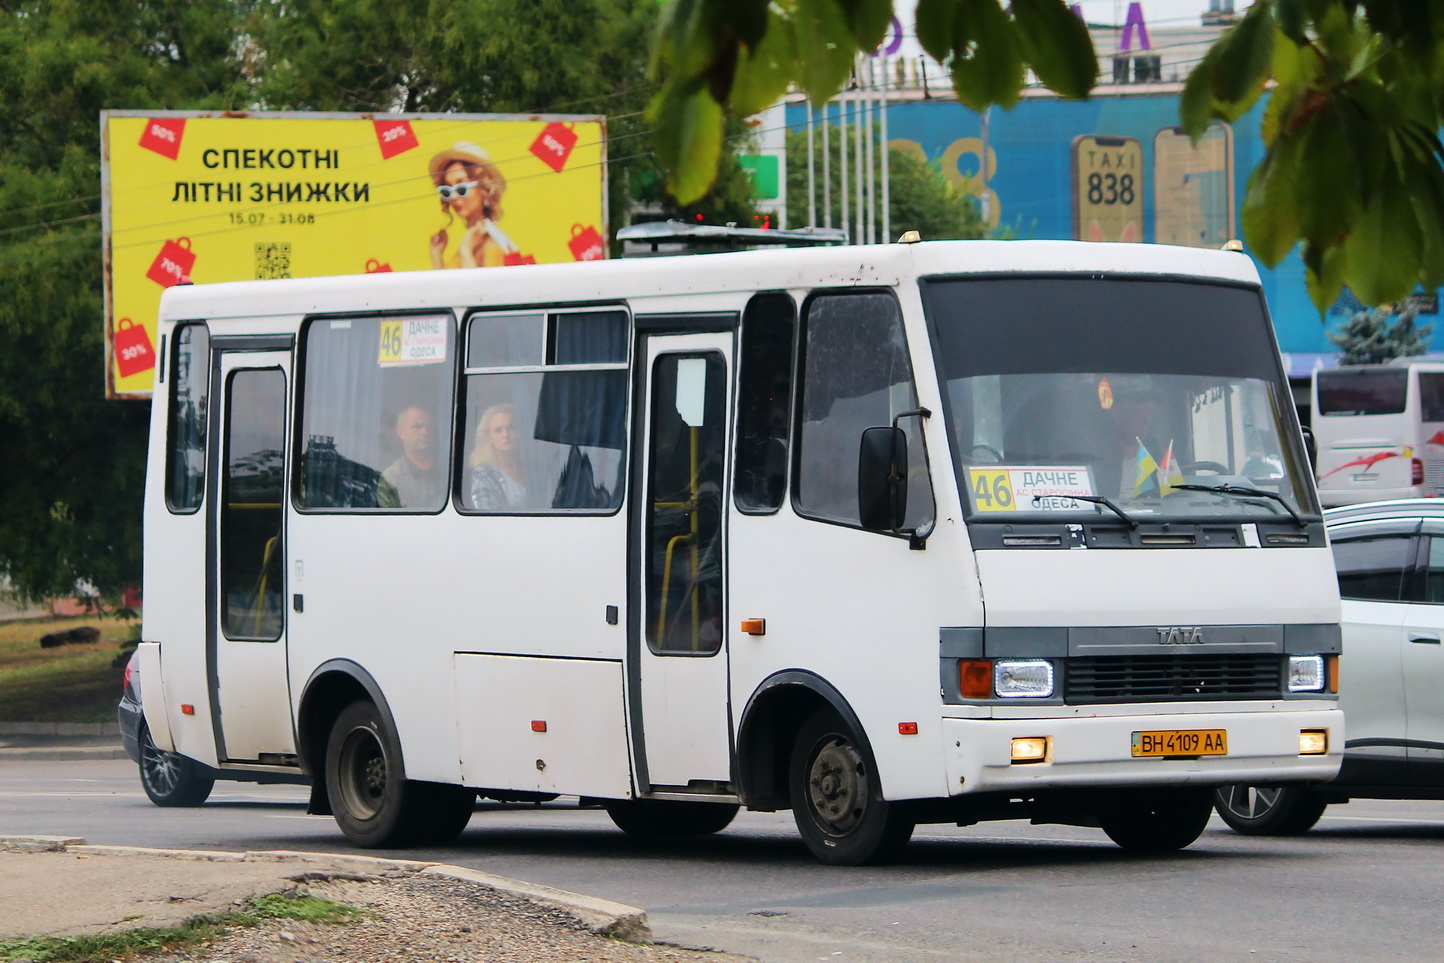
(1311, 446)
(882, 491)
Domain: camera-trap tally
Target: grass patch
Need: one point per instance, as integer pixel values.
(69, 683)
(203, 929)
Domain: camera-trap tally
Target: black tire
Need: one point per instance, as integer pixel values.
(442, 811)
(1156, 820)
(1269, 810)
(170, 779)
(371, 800)
(666, 819)
(837, 798)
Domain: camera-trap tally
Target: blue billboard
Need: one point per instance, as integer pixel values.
(1119, 168)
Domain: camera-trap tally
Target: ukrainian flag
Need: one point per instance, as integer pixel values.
(1146, 479)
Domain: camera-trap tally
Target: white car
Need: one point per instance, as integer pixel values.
(1390, 562)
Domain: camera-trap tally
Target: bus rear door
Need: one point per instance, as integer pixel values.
(245, 552)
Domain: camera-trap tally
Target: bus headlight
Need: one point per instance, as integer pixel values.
(1023, 679)
(1306, 673)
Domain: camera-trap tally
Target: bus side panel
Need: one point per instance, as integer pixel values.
(174, 581)
(542, 725)
(399, 595)
(1365, 457)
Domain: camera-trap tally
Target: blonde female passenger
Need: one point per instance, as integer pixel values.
(498, 479)
(470, 187)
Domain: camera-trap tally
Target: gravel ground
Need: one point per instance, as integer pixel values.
(412, 917)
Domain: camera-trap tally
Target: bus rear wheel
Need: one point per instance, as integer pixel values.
(665, 818)
(837, 797)
(374, 805)
(1156, 820)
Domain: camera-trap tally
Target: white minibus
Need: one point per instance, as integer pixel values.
(1379, 430)
(884, 535)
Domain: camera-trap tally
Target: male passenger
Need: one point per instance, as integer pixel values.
(413, 480)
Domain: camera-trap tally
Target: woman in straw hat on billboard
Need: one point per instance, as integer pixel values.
(470, 187)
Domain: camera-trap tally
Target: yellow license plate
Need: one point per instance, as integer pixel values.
(1181, 742)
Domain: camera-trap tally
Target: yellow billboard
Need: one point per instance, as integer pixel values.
(203, 197)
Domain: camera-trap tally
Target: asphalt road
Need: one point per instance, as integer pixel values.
(1363, 886)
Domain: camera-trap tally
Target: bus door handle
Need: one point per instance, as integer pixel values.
(1424, 638)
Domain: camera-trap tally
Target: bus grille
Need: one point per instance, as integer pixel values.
(1434, 475)
(1170, 678)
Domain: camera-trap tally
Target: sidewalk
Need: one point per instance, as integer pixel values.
(57, 885)
(59, 741)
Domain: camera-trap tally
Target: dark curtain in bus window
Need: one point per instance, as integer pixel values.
(252, 560)
(684, 502)
(589, 337)
(186, 431)
(764, 399)
(376, 430)
(856, 375)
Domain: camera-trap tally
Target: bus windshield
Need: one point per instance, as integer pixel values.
(1064, 391)
(1363, 391)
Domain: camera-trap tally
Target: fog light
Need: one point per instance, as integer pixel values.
(1313, 742)
(1030, 749)
(1306, 673)
(1019, 679)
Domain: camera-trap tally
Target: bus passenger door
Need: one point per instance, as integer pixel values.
(245, 557)
(678, 633)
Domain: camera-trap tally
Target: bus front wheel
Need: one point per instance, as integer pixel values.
(1269, 810)
(1157, 820)
(837, 797)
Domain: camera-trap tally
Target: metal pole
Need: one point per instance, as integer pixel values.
(826, 171)
(846, 216)
(870, 95)
(861, 201)
(811, 200)
(886, 162)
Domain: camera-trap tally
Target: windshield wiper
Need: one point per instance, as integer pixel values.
(1099, 500)
(1247, 493)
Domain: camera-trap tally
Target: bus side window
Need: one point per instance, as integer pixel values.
(764, 402)
(376, 413)
(1431, 396)
(855, 375)
(185, 477)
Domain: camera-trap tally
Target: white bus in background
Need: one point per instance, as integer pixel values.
(1379, 431)
(924, 532)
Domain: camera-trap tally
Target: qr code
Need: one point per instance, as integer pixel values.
(273, 259)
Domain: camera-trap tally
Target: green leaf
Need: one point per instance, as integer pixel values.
(1323, 275)
(1195, 105)
(1270, 217)
(1293, 20)
(1326, 177)
(825, 48)
(765, 71)
(687, 134)
(1287, 66)
(747, 19)
(935, 24)
(1058, 46)
(868, 21)
(1245, 54)
(1383, 250)
(987, 61)
(687, 36)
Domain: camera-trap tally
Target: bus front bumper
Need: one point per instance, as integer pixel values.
(1262, 748)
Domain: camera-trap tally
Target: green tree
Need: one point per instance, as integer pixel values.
(1379, 335)
(920, 196)
(74, 462)
(1353, 171)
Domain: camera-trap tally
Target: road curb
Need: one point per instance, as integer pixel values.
(61, 755)
(616, 920)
